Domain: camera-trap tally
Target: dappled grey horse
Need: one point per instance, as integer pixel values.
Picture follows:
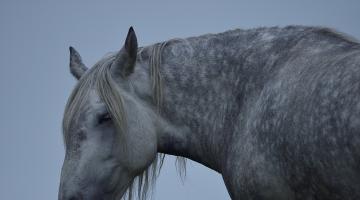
(275, 111)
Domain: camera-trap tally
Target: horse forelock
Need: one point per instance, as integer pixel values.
(79, 97)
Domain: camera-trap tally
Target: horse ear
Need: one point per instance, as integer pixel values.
(124, 62)
(77, 67)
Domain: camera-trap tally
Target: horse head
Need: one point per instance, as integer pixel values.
(109, 136)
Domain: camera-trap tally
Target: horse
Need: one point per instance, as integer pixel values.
(274, 110)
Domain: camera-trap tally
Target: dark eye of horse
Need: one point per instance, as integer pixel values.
(104, 118)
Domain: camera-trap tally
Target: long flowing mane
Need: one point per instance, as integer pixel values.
(99, 77)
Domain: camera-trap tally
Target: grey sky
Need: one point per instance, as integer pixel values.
(35, 81)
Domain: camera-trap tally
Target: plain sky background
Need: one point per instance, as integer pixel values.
(35, 81)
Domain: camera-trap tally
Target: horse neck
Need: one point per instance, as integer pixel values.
(195, 105)
(204, 88)
(183, 124)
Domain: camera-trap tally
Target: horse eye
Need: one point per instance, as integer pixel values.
(104, 118)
